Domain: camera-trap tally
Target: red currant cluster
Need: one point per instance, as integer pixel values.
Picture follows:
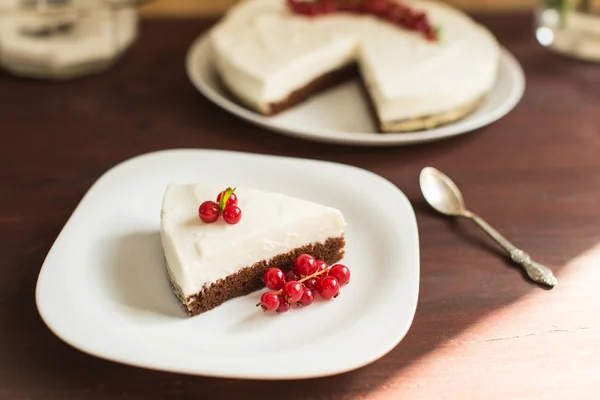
(226, 205)
(389, 10)
(299, 285)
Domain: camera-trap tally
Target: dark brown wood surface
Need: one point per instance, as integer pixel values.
(481, 329)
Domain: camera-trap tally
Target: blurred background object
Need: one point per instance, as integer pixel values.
(570, 27)
(62, 39)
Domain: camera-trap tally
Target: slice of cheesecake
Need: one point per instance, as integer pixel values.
(210, 263)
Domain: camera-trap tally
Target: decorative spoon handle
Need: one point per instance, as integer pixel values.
(537, 272)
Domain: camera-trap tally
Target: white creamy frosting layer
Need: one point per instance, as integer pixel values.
(264, 52)
(199, 254)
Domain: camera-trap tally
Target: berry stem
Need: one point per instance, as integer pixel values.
(302, 280)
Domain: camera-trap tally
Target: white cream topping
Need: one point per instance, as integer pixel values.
(263, 52)
(199, 254)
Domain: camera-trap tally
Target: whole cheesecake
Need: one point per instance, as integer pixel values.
(271, 58)
(210, 263)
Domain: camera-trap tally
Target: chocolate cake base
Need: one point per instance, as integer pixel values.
(249, 279)
(316, 86)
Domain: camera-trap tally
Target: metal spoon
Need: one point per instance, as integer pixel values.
(445, 197)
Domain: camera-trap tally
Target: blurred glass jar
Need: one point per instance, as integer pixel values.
(62, 39)
(570, 27)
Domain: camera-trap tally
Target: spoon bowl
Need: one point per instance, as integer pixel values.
(441, 193)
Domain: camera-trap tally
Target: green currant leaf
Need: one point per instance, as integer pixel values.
(438, 32)
(228, 192)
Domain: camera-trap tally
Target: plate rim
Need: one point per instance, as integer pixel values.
(60, 332)
(201, 44)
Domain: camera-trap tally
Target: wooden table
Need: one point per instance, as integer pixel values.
(481, 329)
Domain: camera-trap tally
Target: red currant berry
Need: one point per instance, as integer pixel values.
(232, 214)
(321, 265)
(269, 301)
(305, 265)
(389, 10)
(315, 9)
(422, 25)
(397, 7)
(328, 287)
(208, 211)
(329, 6)
(306, 299)
(291, 276)
(411, 23)
(274, 278)
(301, 7)
(341, 273)
(231, 201)
(377, 7)
(399, 18)
(284, 306)
(292, 291)
(419, 15)
(320, 278)
(310, 283)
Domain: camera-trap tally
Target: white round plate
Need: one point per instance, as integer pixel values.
(104, 290)
(341, 114)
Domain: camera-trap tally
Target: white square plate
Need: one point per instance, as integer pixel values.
(103, 287)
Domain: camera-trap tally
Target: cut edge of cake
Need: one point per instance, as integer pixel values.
(315, 87)
(342, 75)
(249, 279)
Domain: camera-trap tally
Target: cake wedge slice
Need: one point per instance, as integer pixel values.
(210, 263)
